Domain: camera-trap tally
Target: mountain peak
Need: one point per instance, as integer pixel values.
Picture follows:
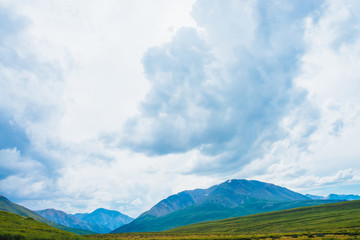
(111, 219)
(103, 210)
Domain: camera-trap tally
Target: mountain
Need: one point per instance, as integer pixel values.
(229, 199)
(13, 226)
(335, 197)
(108, 218)
(101, 220)
(343, 197)
(335, 217)
(68, 220)
(7, 205)
(232, 193)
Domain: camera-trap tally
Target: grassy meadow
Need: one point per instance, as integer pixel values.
(16, 227)
(342, 216)
(350, 235)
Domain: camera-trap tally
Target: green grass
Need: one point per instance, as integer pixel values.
(343, 216)
(228, 236)
(16, 227)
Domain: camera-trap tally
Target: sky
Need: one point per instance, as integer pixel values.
(119, 104)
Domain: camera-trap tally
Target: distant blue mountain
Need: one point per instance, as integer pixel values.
(108, 218)
(343, 197)
(100, 221)
(335, 197)
(68, 220)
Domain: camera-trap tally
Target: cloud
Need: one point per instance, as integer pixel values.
(30, 93)
(31, 85)
(71, 74)
(23, 177)
(248, 89)
(12, 163)
(319, 150)
(12, 135)
(222, 89)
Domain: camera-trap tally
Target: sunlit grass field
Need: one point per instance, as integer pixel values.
(350, 235)
(342, 216)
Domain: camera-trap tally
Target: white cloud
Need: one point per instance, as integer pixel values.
(85, 77)
(321, 148)
(12, 163)
(103, 45)
(126, 179)
(24, 177)
(222, 90)
(331, 76)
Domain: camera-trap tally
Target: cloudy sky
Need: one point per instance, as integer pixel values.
(119, 104)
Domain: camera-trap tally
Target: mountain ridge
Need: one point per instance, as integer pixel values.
(100, 220)
(236, 197)
(245, 188)
(68, 220)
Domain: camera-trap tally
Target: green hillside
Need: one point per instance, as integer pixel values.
(209, 212)
(7, 205)
(340, 216)
(13, 226)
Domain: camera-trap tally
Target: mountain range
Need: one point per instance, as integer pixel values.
(335, 197)
(101, 220)
(231, 198)
(8, 206)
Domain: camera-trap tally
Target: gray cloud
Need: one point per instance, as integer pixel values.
(224, 90)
